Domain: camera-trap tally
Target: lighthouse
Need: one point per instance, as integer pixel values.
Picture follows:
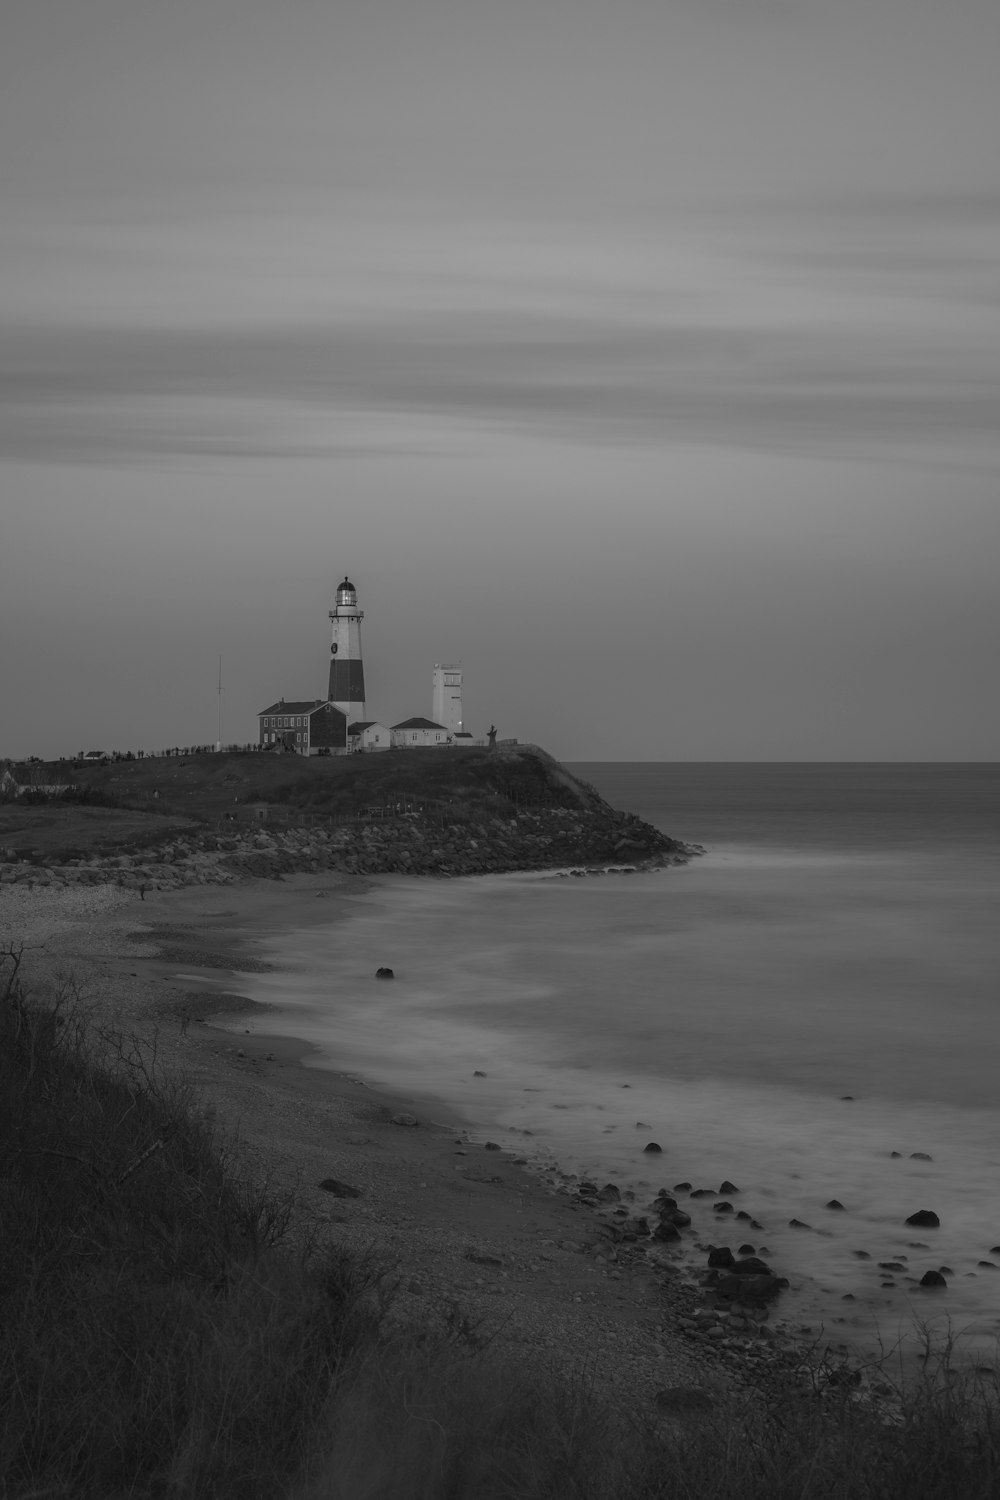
(347, 673)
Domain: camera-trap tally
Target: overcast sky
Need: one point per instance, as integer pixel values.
(641, 355)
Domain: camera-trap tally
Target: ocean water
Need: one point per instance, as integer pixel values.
(815, 993)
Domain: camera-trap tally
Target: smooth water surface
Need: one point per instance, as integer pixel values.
(814, 993)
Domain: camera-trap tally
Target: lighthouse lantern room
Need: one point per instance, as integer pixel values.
(347, 673)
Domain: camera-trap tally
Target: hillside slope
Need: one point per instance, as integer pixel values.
(214, 818)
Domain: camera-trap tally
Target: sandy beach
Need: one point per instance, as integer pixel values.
(463, 1230)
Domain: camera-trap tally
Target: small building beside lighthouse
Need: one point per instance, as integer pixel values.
(419, 734)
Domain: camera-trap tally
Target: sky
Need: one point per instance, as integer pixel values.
(642, 356)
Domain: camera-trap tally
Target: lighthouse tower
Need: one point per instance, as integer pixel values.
(347, 673)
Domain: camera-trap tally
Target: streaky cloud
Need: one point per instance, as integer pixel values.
(91, 395)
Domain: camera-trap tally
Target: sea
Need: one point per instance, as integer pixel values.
(809, 1010)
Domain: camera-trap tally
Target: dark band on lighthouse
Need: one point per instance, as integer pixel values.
(347, 682)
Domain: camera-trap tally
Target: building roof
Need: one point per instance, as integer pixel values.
(297, 706)
(419, 723)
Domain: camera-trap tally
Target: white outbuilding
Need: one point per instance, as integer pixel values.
(418, 733)
(369, 734)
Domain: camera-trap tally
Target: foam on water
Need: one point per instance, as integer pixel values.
(729, 1006)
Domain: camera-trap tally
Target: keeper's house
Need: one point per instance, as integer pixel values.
(311, 728)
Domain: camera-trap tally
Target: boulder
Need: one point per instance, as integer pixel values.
(384, 973)
(752, 1265)
(339, 1189)
(925, 1218)
(652, 1146)
(675, 1216)
(721, 1256)
(755, 1291)
(932, 1279)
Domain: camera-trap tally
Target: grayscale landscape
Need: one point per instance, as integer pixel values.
(499, 797)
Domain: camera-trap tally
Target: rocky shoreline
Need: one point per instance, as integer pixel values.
(577, 840)
(723, 1307)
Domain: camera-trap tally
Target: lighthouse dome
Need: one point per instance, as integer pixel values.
(347, 593)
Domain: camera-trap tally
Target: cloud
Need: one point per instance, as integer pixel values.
(87, 395)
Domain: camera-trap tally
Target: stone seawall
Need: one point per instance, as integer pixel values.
(591, 838)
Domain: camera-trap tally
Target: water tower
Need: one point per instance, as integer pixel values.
(447, 709)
